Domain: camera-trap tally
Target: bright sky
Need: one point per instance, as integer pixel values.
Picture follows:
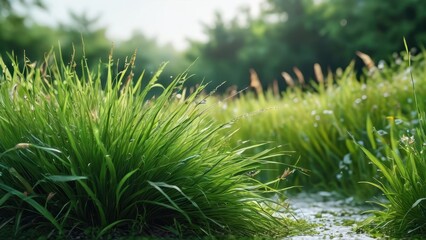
(170, 21)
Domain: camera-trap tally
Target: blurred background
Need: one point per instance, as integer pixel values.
(222, 39)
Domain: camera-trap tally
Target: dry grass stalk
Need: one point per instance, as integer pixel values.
(366, 59)
(286, 173)
(299, 75)
(288, 79)
(318, 73)
(255, 82)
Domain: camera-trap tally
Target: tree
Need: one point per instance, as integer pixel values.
(7, 7)
(20, 34)
(220, 57)
(301, 33)
(375, 27)
(83, 35)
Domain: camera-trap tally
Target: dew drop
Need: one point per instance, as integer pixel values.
(382, 132)
(398, 121)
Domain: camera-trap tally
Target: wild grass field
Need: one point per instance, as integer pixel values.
(90, 153)
(324, 125)
(360, 136)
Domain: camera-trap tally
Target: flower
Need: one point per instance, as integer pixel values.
(407, 140)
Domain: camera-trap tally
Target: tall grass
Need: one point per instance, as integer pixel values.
(402, 178)
(92, 152)
(319, 125)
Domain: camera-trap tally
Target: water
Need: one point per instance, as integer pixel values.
(335, 218)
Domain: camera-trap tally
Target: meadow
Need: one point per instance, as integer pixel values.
(324, 123)
(87, 151)
(359, 136)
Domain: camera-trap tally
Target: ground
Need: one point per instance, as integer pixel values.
(334, 218)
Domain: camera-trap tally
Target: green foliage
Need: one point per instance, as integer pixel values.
(301, 33)
(82, 36)
(320, 125)
(14, 26)
(402, 181)
(402, 177)
(94, 153)
(7, 7)
(287, 33)
(151, 55)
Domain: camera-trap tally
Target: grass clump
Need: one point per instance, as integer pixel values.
(90, 152)
(402, 178)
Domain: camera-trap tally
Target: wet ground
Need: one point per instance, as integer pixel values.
(334, 219)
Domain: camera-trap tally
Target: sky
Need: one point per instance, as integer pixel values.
(169, 21)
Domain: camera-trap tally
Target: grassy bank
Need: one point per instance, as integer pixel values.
(320, 124)
(359, 136)
(90, 154)
(402, 178)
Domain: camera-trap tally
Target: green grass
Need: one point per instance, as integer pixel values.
(402, 178)
(319, 125)
(98, 153)
(89, 152)
(360, 136)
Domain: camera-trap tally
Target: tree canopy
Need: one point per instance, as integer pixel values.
(300, 33)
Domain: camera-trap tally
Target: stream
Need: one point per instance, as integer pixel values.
(335, 218)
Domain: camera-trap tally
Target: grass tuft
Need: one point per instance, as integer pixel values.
(88, 153)
(402, 178)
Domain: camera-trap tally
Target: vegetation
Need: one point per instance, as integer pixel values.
(79, 157)
(88, 149)
(286, 34)
(84, 157)
(402, 179)
(82, 36)
(300, 33)
(320, 124)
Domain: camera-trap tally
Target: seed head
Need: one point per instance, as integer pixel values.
(286, 173)
(22, 145)
(50, 196)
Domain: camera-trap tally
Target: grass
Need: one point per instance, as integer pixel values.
(91, 153)
(402, 179)
(360, 136)
(102, 153)
(319, 124)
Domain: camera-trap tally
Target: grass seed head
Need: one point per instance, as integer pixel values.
(22, 145)
(288, 79)
(318, 73)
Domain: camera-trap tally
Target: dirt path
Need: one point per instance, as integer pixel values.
(335, 218)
